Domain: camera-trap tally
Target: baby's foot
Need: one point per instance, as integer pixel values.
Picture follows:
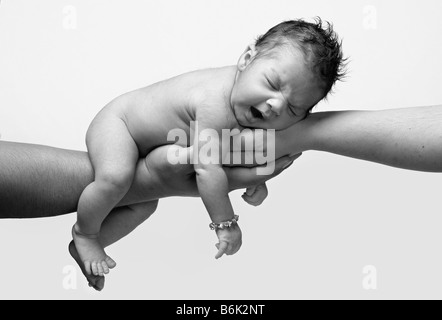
(95, 282)
(92, 254)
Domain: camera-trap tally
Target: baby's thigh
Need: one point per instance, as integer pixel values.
(112, 150)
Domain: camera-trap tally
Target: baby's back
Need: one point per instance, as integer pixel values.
(152, 112)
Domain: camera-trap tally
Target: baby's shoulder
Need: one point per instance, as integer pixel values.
(209, 92)
(212, 87)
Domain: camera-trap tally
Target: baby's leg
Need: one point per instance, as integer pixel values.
(114, 155)
(118, 224)
(121, 223)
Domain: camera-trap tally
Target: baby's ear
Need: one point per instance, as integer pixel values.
(247, 57)
(251, 47)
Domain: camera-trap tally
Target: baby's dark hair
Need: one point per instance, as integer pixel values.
(320, 44)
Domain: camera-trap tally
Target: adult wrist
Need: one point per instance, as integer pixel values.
(297, 138)
(311, 132)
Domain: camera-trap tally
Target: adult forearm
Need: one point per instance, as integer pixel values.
(38, 181)
(405, 138)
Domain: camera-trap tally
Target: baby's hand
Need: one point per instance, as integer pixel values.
(230, 241)
(255, 196)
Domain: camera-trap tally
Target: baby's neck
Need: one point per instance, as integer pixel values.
(231, 75)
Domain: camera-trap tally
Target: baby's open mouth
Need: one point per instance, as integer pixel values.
(256, 113)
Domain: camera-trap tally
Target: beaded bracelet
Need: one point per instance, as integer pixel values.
(225, 224)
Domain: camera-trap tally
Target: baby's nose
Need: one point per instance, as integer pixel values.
(275, 106)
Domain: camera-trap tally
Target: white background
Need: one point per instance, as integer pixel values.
(326, 218)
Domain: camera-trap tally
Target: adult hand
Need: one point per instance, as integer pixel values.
(179, 180)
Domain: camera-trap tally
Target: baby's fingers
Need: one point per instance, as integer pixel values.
(250, 200)
(250, 191)
(222, 249)
(257, 198)
(236, 248)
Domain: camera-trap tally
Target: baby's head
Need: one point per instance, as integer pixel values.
(285, 73)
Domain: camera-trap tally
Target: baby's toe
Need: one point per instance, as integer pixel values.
(110, 263)
(94, 268)
(88, 267)
(105, 267)
(100, 269)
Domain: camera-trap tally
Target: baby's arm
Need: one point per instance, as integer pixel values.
(211, 178)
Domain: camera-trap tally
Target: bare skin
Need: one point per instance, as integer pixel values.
(257, 93)
(409, 138)
(39, 181)
(123, 220)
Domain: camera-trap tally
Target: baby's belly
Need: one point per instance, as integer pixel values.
(150, 132)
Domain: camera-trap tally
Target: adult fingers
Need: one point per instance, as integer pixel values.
(174, 178)
(240, 177)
